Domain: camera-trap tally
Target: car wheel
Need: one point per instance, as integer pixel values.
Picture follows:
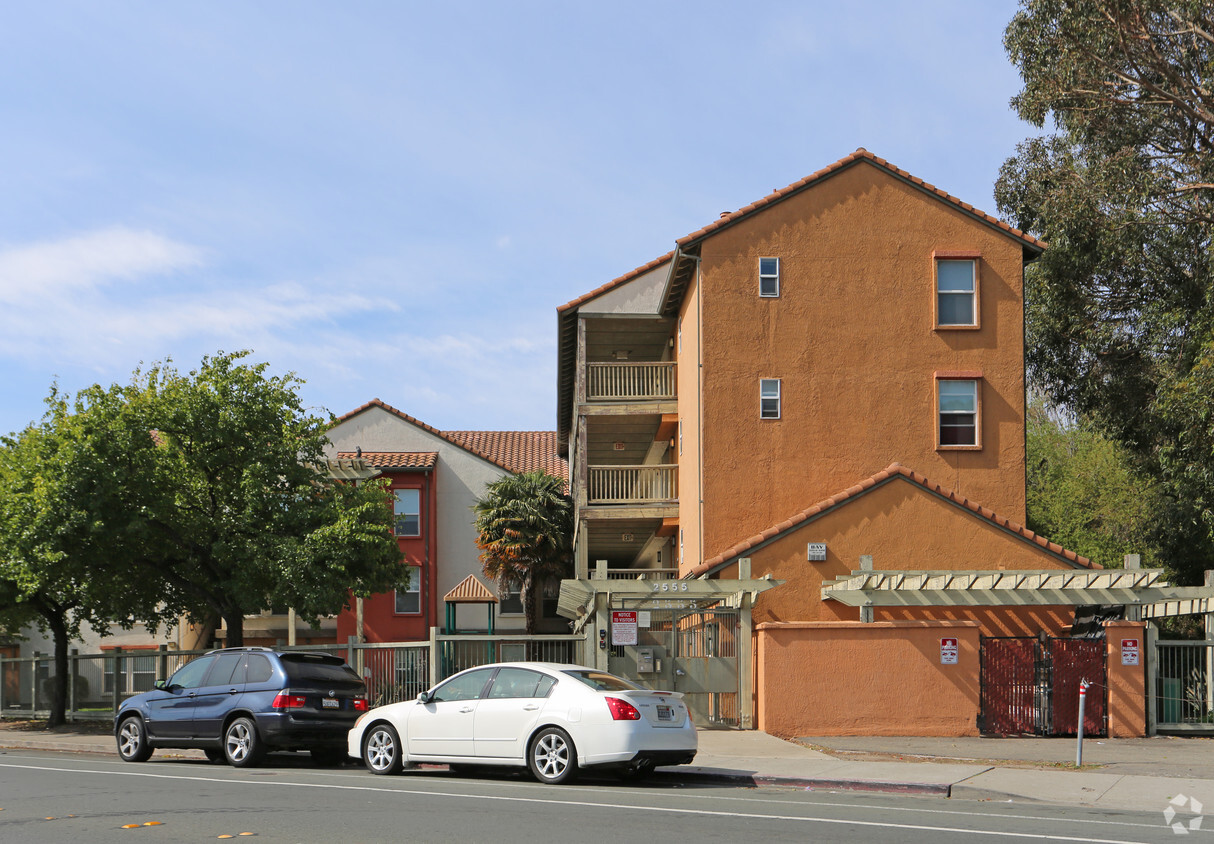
(637, 771)
(381, 750)
(328, 757)
(552, 757)
(133, 740)
(214, 754)
(241, 744)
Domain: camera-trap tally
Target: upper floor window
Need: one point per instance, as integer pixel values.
(769, 398)
(957, 418)
(769, 277)
(409, 599)
(956, 292)
(407, 511)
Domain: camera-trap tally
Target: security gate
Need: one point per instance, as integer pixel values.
(1030, 686)
(694, 651)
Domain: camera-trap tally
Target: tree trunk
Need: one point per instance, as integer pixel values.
(529, 603)
(235, 622)
(61, 679)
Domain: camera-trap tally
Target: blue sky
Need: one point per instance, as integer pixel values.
(391, 199)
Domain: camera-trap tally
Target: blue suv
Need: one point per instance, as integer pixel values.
(239, 703)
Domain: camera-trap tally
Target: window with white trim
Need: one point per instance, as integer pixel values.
(957, 402)
(407, 511)
(956, 292)
(409, 599)
(510, 600)
(769, 277)
(769, 398)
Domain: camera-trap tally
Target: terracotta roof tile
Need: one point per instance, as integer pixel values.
(892, 471)
(830, 170)
(514, 451)
(394, 459)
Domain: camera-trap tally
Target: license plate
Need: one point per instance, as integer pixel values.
(665, 713)
(330, 703)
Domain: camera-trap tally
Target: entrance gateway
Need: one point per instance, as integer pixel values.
(689, 636)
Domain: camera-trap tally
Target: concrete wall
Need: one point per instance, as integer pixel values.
(689, 441)
(852, 339)
(884, 678)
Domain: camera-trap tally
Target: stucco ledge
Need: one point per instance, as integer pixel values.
(863, 625)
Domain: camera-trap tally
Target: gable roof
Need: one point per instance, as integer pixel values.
(514, 451)
(470, 590)
(894, 471)
(682, 262)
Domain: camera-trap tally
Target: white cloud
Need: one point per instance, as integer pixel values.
(89, 261)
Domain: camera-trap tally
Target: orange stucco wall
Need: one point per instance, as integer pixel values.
(852, 339)
(903, 527)
(1127, 683)
(884, 678)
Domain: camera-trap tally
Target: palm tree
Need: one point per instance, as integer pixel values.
(524, 524)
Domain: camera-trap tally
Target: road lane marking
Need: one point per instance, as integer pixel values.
(584, 804)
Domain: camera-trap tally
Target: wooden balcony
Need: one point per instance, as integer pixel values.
(632, 484)
(630, 381)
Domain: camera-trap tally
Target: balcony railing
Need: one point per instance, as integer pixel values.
(631, 381)
(632, 484)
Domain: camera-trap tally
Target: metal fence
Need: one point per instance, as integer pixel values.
(392, 671)
(1184, 693)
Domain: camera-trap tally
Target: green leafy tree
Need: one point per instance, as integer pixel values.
(1084, 492)
(524, 524)
(238, 512)
(54, 572)
(1119, 309)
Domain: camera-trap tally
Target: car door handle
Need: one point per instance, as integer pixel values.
(531, 707)
(233, 691)
(465, 709)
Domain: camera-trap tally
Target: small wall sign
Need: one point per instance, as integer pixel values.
(816, 552)
(948, 651)
(1129, 652)
(623, 627)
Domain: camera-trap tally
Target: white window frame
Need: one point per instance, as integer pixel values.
(398, 512)
(944, 295)
(975, 413)
(765, 395)
(415, 588)
(771, 277)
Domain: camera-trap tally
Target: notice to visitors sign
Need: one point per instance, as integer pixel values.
(623, 627)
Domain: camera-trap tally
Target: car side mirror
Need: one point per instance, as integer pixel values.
(424, 697)
(163, 685)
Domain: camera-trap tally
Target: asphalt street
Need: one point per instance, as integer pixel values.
(57, 797)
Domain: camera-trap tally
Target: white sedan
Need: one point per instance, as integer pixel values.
(554, 719)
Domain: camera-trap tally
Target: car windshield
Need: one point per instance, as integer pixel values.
(602, 681)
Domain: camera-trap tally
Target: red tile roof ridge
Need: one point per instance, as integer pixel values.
(615, 282)
(461, 438)
(890, 471)
(842, 163)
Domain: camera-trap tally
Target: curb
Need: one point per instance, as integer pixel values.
(692, 774)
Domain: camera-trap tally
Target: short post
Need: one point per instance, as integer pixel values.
(1083, 699)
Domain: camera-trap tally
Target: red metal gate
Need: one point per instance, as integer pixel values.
(1030, 686)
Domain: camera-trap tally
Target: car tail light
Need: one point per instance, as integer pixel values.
(360, 704)
(286, 700)
(622, 710)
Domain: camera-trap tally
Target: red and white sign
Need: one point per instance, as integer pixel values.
(623, 627)
(948, 651)
(1129, 652)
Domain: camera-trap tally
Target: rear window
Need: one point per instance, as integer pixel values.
(602, 681)
(318, 668)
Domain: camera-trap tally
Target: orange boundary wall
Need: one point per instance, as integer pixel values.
(882, 679)
(1127, 683)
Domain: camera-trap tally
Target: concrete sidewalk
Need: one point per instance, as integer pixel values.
(1143, 774)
